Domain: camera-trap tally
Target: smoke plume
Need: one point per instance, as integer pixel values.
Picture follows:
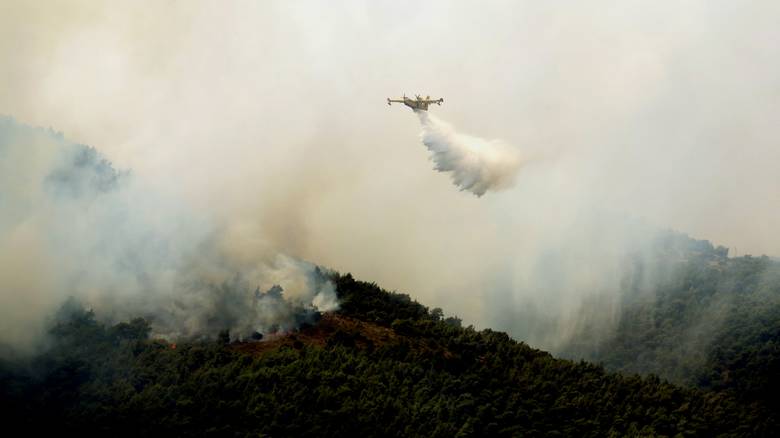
(73, 226)
(622, 110)
(476, 164)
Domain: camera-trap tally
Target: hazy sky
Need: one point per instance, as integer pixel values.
(270, 117)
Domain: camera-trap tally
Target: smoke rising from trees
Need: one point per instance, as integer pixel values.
(73, 226)
(268, 121)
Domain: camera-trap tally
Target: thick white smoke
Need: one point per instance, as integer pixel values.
(614, 105)
(476, 164)
(73, 226)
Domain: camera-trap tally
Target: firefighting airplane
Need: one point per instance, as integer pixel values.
(418, 103)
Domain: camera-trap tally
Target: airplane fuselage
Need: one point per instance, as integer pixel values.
(417, 103)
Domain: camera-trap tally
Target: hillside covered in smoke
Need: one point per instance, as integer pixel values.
(382, 365)
(696, 317)
(72, 226)
(123, 308)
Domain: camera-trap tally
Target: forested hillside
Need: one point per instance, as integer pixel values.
(383, 365)
(699, 319)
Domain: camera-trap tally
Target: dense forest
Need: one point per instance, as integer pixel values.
(698, 318)
(383, 365)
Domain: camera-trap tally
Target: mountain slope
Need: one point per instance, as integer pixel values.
(383, 365)
(709, 321)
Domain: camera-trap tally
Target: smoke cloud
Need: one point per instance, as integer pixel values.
(73, 226)
(476, 165)
(263, 124)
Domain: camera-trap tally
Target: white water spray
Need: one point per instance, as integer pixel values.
(476, 164)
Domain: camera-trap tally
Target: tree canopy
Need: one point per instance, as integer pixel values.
(383, 365)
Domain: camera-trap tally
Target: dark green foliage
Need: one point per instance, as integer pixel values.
(433, 378)
(223, 338)
(373, 304)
